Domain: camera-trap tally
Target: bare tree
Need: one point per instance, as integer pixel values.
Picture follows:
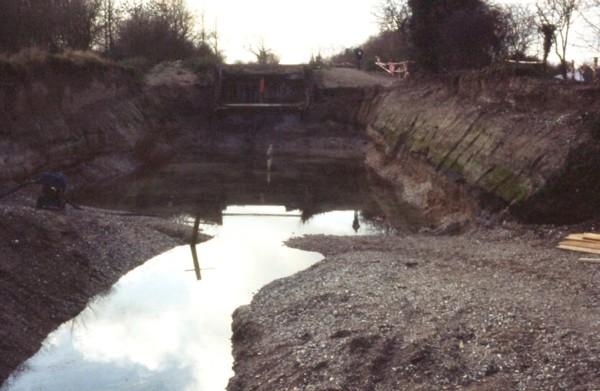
(48, 24)
(392, 15)
(590, 14)
(560, 14)
(521, 30)
(10, 28)
(206, 37)
(156, 30)
(77, 28)
(108, 23)
(263, 54)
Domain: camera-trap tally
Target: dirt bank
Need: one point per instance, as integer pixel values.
(96, 120)
(91, 118)
(457, 144)
(492, 310)
(53, 262)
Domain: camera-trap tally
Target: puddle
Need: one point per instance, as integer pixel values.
(159, 328)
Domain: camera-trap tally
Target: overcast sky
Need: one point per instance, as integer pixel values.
(297, 29)
(293, 29)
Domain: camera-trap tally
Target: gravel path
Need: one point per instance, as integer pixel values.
(491, 310)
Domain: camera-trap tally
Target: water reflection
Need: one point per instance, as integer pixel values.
(160, 329)
(204, 187)
(193, 244)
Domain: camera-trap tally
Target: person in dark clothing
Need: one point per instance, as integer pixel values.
(356, 223)
(359, 53)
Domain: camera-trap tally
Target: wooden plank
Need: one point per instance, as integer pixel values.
(584, 236)
(590, 260)
(581, 243)
(579, 249)
(591, 236)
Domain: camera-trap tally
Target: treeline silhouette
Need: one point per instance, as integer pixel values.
(446, 35)
(154, 30)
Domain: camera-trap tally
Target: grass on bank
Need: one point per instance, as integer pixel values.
(32, 61)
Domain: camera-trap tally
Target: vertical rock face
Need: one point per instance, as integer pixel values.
(531, 144)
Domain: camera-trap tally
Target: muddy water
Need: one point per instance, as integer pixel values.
(159, 327)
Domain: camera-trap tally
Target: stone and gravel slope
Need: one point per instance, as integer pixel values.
(492, 310)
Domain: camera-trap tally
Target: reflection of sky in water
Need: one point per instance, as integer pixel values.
(159, 328)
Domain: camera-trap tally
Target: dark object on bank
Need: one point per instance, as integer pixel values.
(355, 223)
(52, 196)
(54, 187)
(359, 53)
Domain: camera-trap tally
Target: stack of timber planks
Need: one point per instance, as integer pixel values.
(585, 243)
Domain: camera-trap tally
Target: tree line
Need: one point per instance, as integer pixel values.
(155, 30)
(442, 35)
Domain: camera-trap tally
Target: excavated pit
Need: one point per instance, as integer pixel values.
(442, 155)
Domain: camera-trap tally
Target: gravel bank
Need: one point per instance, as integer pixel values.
(491, 310)
(52, 263)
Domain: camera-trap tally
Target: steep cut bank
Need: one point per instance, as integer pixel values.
(454, 145)
(91, 118)
(57, 114)
(96, 120)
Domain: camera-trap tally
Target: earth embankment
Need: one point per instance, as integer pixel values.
(90, 118)
(62, 113)
(455, 145)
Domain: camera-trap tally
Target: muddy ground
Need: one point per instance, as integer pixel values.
(493, 309)
(52, 263)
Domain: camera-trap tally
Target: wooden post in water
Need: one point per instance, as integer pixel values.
(193, 247)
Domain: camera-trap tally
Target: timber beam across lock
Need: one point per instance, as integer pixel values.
(262, 106)
(263, 87)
